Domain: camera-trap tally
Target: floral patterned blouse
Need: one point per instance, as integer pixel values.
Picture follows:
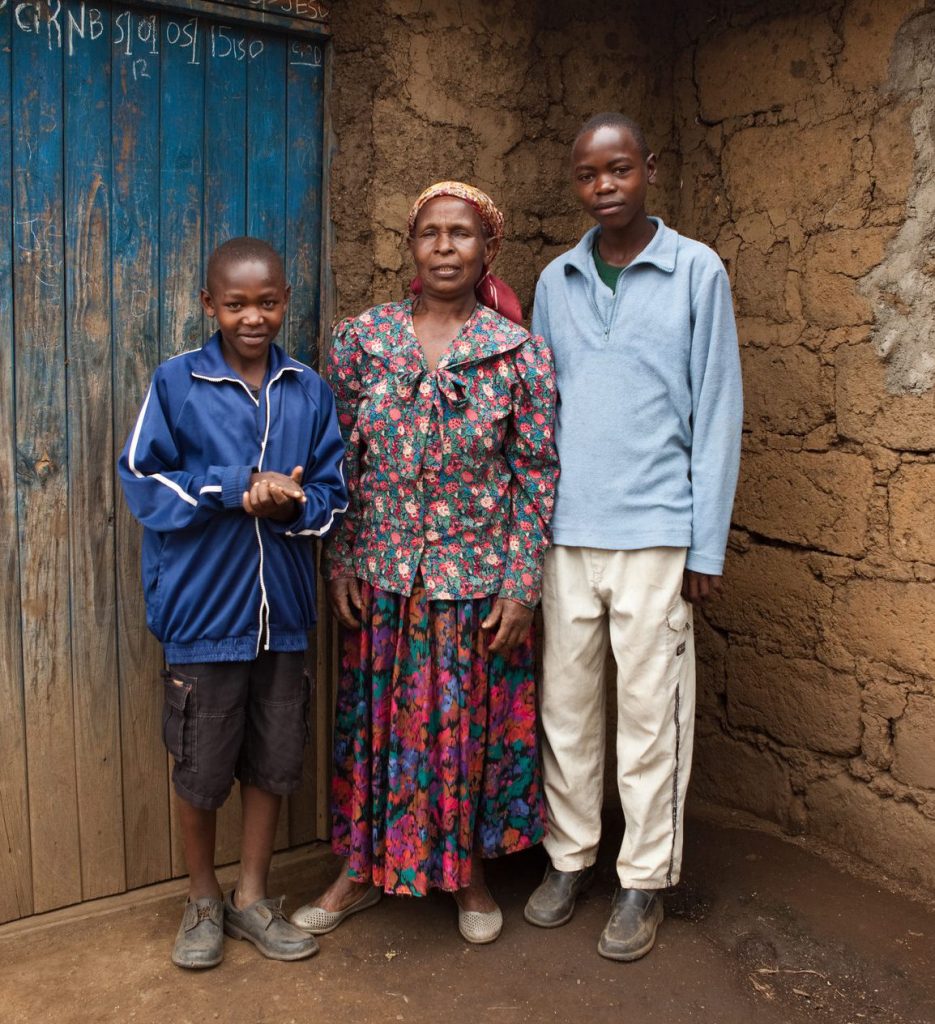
(450, 471)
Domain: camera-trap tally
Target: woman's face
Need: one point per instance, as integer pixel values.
(449, 247)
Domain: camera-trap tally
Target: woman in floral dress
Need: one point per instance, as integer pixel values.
(446, 406)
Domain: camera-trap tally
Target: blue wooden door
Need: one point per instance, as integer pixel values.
(132, 141)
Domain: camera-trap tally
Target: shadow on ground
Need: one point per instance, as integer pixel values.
(758, 930)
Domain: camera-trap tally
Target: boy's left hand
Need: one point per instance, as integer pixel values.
(697, 587)
(274, 495)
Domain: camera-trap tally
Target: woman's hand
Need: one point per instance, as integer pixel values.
(511, 620)
(344, 595)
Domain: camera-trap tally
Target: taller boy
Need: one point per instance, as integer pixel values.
(641, 325)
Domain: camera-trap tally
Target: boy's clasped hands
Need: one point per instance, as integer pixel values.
(272, 495)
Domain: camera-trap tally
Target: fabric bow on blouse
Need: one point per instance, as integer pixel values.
(428, 388)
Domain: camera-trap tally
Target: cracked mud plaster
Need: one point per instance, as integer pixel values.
(902, 287)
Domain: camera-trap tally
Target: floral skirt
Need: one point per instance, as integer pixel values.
(435, 744)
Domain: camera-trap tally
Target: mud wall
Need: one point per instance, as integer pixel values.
(804, 131)
(795, 138)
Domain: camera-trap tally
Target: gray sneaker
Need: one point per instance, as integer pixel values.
(631, 930)
(553, 902)
(264, 924)
(200, 938)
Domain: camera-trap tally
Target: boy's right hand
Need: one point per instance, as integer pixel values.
(344, 595)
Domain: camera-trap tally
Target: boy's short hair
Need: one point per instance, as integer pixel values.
(243, 250)
(613, 119)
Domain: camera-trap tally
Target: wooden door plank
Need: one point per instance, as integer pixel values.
(266, 144)
(42, 471)
(135, 234)
(182, 175)
(91, 482)
(305, 77)
(225, 217)
(225, 125)
(15, 866)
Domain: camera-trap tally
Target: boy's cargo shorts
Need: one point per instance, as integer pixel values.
(247, 719)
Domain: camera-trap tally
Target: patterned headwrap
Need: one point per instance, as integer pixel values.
(490, 290)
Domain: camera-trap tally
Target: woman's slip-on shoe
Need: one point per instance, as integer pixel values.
(318, 921)
(480, 927)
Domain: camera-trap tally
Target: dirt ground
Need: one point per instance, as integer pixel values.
(759, 929)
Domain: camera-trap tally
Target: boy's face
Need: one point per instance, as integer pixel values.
(611, 176)
(249, 299)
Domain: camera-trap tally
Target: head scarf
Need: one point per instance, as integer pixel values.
(490, 290)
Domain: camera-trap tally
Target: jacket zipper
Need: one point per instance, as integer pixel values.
(606, 324)
(264, 601)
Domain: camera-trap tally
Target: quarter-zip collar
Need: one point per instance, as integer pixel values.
(661, 252)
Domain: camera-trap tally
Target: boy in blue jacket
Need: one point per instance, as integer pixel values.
(233, 466)
(640, 322)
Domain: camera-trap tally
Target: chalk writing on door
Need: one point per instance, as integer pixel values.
(298, 8)
(137, 37)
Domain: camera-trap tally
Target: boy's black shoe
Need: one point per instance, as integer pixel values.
(631, 930)
(553, 902)
(200, 938)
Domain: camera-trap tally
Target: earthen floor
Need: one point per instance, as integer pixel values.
(759, 930)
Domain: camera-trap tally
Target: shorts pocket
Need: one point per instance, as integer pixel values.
(178, 719)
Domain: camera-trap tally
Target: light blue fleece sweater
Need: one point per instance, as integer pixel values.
(650, 403)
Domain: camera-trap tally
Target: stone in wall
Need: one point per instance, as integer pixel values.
(886, 832)
(810, 180)
(798, 702)
(912, 513)
(914, 742)
(761, 280)
(835, 261)
(786, 390)
(816, 500)
(765, 66)
(736, 774)
(887, 621)
(772, 595)
(867, 411)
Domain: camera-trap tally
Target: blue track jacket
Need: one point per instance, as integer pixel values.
(219, 584)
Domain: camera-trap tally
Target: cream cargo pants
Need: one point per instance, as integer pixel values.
(630, 600)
